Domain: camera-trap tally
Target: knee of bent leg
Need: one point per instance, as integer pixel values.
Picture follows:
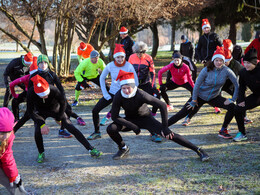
(112, 128)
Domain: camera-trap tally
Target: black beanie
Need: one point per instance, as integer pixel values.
(176, 55)
(184, 37)
(251, 56)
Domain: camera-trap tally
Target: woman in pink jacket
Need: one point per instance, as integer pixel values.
(9, 176)
(181, 77)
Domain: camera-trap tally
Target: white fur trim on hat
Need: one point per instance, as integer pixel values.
(119, 54)
(27, 63)
(83, 48)
(218, 56)
(121, 33)
(42, 94)
(206, 25)
(127, 81)
(226, 60)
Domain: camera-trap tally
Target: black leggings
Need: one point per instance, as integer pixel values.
(15, 104)
(69, 113)
(149, 123)
(251, 102)
(102, 103)
(215, 102)
(147, 87)
(68, 125)
(170, 85)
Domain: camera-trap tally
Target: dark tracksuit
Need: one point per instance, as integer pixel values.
(128, 44)
(52, 79)
(207, 45)
(187, 49)
(250, 79)
(14, 70)
(137, 116)
(54, 106)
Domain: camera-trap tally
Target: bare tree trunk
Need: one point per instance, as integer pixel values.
(232, 32)
(17, 47)
(70, 38)
(56, 42)
(41, 30)
(154, 29)
(173, 24)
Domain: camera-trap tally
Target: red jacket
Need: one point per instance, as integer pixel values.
(7, 162)
(25, 80)
(255, 44)
(180, 76)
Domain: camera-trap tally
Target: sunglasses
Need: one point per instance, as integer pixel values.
(141, 51)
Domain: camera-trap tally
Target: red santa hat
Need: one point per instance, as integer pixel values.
(41, 86)
(228, 55)
(227, 43)
(125, 77)
(119, 50)
(6, 120)
(83, 46)
(205, 23)
(219, 53)
(123, 30)
(28, 58)
(34, 67)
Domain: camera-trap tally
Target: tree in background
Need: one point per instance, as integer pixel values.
(246, 32)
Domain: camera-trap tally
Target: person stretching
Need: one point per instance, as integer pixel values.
(181, 77)
(208, 87)
(138, 116)
(43, 101)
(113, 68)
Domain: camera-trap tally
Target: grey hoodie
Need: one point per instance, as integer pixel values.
(208, 84)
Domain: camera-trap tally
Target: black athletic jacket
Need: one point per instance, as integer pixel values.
(250, 79)
(187, 49)
(128, 44)
(136, 107)
(207, 45)
(39, 108)
(14, 70)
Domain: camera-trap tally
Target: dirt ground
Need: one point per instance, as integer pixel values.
(151, 168)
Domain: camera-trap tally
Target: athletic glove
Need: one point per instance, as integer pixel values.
(192, 104)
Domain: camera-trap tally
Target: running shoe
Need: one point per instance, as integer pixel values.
(247, 121)
(41, 157)
(75, 103)
(64, 134)
(104, 121)
(203, 155)
(224, 134)
(186, 121)
(240, 137)
(156, 138)
(121, 153)
(80, 121)
(94, 136)
(217, 110)
(95, 153)
(169, 107)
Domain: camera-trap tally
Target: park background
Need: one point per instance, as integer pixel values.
(57, 27)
